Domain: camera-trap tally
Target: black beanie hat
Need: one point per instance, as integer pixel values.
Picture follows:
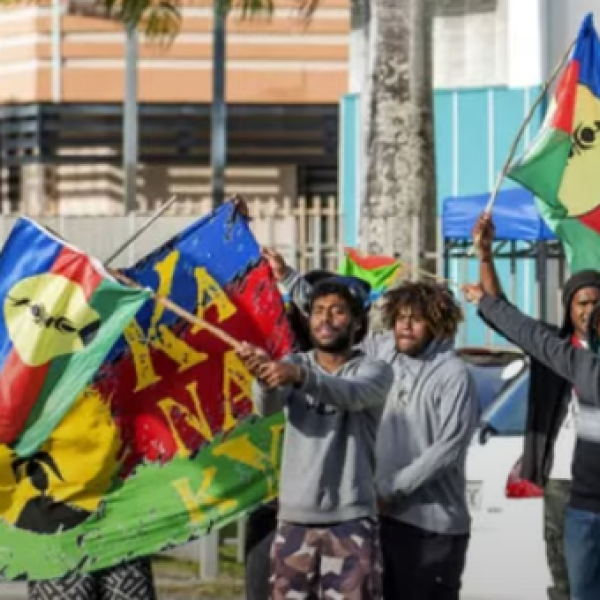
(578, 281)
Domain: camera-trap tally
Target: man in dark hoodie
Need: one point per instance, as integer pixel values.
(552, 406)
(580, 367)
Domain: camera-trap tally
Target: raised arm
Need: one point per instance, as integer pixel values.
(367, 389)
(484, 232)
(578, 366)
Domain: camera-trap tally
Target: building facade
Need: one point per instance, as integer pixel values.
(62, 93)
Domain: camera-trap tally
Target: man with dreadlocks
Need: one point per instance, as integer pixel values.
(428, 422)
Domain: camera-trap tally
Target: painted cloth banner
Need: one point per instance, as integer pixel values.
(163, 445)
(561, 165)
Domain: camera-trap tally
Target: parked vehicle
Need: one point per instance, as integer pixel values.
(507, 550)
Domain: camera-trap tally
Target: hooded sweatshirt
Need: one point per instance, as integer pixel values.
(327, 472)
(427, 426)
(428, 423)
(581, 369)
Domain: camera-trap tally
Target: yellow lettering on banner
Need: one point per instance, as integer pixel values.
(160, 336)
(234, 373)
(166, 271)
(210, 293)
(242, 450)
(198, 422)
(200, 503)
(142, 361)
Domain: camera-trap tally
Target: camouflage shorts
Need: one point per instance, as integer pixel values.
(333, 562)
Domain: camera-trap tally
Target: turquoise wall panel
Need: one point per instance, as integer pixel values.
(474, 130)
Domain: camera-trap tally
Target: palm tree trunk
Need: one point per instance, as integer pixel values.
(400, 178)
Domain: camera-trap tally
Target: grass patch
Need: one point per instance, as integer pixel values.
(180, 578)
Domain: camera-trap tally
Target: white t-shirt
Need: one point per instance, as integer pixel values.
(564, 446)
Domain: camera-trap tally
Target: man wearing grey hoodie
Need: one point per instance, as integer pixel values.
(327, 542)
(429, 419)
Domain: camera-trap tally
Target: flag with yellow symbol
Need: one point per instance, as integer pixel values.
(562, 165)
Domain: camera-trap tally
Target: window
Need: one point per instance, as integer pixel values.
(508, 414)
(470, 47)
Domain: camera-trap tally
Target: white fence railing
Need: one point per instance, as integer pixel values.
(305, 230)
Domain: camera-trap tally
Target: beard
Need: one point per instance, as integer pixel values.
(340, 343)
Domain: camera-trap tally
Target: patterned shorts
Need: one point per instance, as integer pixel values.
(131, 580)
(333, 562)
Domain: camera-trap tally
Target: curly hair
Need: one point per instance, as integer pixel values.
(433, 302)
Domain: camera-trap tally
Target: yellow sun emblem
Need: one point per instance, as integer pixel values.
(580, 186)
(48, 316)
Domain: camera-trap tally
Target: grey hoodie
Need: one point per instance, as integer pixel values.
(427, 426)
(328, 459)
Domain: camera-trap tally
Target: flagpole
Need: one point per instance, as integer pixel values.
(159, 213)
(515, 144)
(179, 311)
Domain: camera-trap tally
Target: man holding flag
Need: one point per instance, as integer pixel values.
(327, 540)
(561, 169)
(552, 406)
(581, 368)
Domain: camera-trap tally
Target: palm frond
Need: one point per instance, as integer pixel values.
(307, 7)
(248, 8)
(158, 19)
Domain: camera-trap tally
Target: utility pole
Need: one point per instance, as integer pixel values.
(219, 106)
(130, 121)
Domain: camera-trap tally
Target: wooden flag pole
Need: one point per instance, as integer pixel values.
(159, 213)
(181, 312)
(169, 304)
(515, 144)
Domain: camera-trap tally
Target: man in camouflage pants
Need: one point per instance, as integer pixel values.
(327, 540)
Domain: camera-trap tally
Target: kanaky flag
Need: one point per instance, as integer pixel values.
(61, 315)
(562, 165)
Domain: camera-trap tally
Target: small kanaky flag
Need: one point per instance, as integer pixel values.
(378, 271)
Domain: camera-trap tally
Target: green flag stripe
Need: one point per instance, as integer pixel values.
(541, 169)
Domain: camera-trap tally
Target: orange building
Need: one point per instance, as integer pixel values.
(62, 88)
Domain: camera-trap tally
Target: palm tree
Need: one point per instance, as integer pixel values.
(400, 170)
